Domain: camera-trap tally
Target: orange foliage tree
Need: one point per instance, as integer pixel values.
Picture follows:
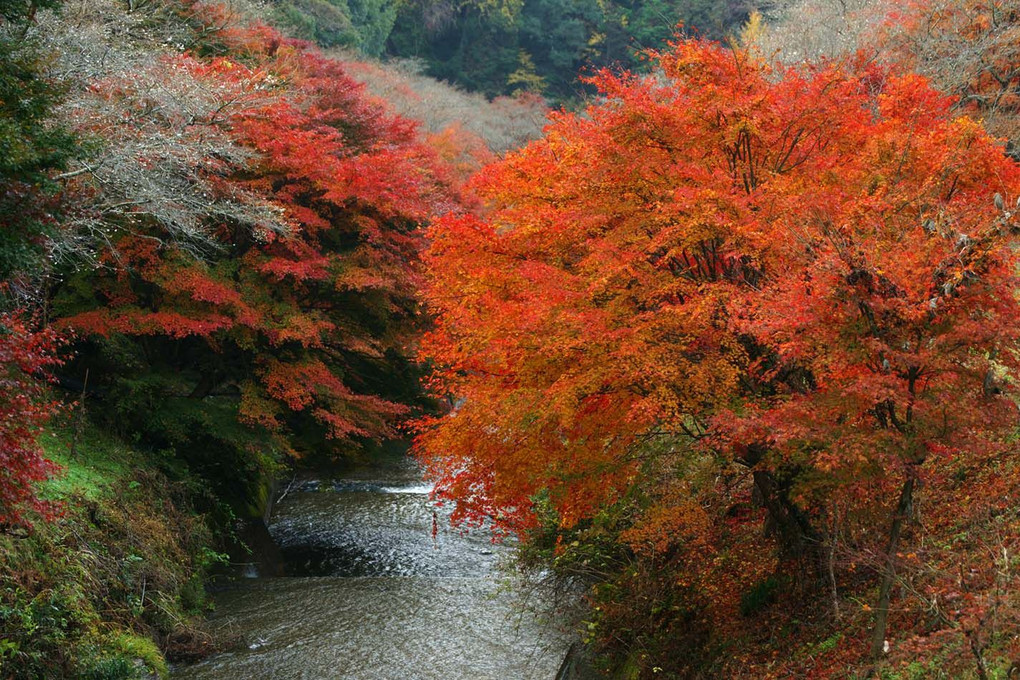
(804, 275)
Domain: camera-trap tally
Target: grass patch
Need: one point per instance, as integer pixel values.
(101, 467)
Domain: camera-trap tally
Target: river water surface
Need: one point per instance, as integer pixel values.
(369, 594)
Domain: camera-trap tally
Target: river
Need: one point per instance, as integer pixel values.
(367, 593)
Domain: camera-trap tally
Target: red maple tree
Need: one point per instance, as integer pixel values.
(300, 317)
(27, 354)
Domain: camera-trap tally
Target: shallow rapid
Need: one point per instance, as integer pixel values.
(370, 594)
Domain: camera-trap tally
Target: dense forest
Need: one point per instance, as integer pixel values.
(505, 46)
(711, 308)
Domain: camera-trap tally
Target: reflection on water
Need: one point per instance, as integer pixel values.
(374, 531)
(371, 595)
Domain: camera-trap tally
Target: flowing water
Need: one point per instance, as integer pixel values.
(369, 594)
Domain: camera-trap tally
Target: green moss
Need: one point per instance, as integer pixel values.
(829, 644)
(143, 649)
(259, 499)
(121, 656)
(100, 467)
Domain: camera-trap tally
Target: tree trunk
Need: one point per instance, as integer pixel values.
(889, 576)
(797, 537)
(79, 421)
(977, 650)
(205, 385)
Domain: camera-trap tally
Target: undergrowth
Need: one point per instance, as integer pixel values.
(112, 587)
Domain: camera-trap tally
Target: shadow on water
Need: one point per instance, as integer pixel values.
(347, 581)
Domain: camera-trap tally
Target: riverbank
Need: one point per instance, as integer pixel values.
(113, 588)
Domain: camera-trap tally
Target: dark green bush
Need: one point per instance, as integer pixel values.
(761, 595)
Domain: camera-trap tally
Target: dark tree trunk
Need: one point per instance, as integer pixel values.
(205, 385)
(796, 536)
(889, 573)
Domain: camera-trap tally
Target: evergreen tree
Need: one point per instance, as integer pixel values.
(30, 145)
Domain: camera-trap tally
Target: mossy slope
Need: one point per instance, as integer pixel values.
(110, 588)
